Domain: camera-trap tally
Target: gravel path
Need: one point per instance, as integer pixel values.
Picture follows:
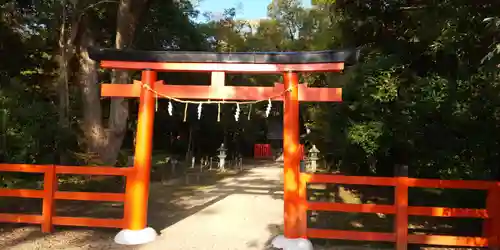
(244, 213)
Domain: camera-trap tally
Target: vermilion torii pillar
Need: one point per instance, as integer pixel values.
(289, 64)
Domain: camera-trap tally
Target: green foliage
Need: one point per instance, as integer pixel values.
(425, 94)
(28, 130)
(366, 135)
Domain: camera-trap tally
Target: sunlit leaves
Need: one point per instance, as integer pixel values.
(366, 135)
(386, 86)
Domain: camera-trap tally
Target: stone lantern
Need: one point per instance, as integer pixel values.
(313, 158)
(222, 156)
(173, 163)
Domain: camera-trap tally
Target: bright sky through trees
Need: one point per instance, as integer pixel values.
(250, 9)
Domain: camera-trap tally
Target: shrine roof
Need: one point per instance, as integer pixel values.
(347, 56)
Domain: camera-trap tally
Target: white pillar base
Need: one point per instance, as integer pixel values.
(135, 237)
(284, 243)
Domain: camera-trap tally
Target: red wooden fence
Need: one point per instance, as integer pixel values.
(262, 151)
(50, 193)
(400, 236)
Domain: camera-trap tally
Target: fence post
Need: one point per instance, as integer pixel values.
(491, 226)
(401, 203)
(496, 216)
(487, 223)
(49, 188)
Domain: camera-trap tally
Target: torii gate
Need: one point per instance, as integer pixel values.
(287, 63)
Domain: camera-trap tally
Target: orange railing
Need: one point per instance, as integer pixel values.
(50, 193)
(400, 208)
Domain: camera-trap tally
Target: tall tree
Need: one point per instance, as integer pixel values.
(127, 20)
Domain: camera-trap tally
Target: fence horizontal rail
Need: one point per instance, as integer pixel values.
(62, 220)
(89, 196)
(25, 168)
(63, 195)
(21, 218)
(88, 222)
(448, 212)
(343, 179)
(450, 184)
(88, 170)
(350, 235)
(446, 240)
(22, 193)
(351, 208)
(391, 181)
(439, 240)
(391, 209)
(78, 170)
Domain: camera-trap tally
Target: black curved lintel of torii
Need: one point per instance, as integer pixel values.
(347, 56)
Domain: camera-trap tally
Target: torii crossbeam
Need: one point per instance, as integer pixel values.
(287, 63)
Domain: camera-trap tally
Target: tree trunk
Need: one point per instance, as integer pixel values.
(95, 134)
(62, 81)
(126, 24)
(106, 143)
